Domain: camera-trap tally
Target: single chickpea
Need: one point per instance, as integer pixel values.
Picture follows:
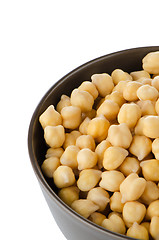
(63, 177)
(111, 180)
(71, 117)
(114, 223)
(151, 62)
(145, 80)
(84, 125)
(84, 207)
(130, 165)
(90, 88)
(130, 91)
(151, 193)
(86, 159)
(91, 114)
(146, 225)
(151, 126)
(69, 157)
(85, 141)
(155, 148)
(103, 83)
(115, 202)
(116, 97)
(119, 135)
(139, 74)
(157, 106)
(129, 113)
(113, 157)
(147, 107)
(140, 146)
(109, 109)
(139, 126)
(147, 92)
(75, 134)
(135, 185)
(150, 169)
(154, 227)
(98, 127)
(100, 197)
(121, 86)
(88, 179)
(82, 99)
(69, 140)
(54, 152)
(50, 117)
(133, 212)
(97, 218)
(49, 166)
(153, 210)
(69, 194)
(119, 75)
(100, 149)
(155, 82)
(54, 136)
(138, 231)
(64, 102)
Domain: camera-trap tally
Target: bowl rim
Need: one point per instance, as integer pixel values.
(33, 159)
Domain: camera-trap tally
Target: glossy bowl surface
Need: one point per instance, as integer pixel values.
(72, 224)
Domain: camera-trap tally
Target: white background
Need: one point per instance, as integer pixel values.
(40, 41)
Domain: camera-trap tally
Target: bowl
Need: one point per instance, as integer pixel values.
(72, 225)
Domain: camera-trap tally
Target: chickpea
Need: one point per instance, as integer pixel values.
(85, 141)
(49, 166)
(133, 212)
(84, 207)
(54, 152)
(150, 169)
(64, 102)
(130, 165)
(151, 193)
(97, 218)
(91, 114)
(113, 157)
(71, 117)
(139, 126)
(111, 180)
(90, 88)
(103, 83)
(115, 202)
(157, 106)
(116, 97)
(54, 136)
(86, 159)
(98, 127)
(69, 194)
(121, 86)
(109, 109)
(155, 148)
(151, 126)
(100, 149)
(69, 140)
(84, 125)
(136, 186)
(69, 157)
(155, 82)
(119, 75)
(88, 179)
(129, 113)
(130, 91)
(75, 134)
(63, 177)
(50, 117)
(154, 227)
(145, 80)
(119, 135)
(147, 92)
(82, 99)
(100, 197)
(153, 210)
(138, 231)
(151, 62)
(139, 74)
(140, 146)
(114, 223)
(147, 107)
(146, 225)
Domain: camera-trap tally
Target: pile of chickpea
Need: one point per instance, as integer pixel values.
(103, 150)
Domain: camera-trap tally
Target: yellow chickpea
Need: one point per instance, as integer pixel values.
(139, 74)
(155, 148)
(147, 107)
(139, 126)
(69, 140)
(91, 114)
(151, 62)
(100, 149)
(116, 97)
(130, 91)
(90, 88)
(119, 75)
(157, 106)
(69, 194)
(154, 227)
(151, 193)
(153, 210)
(147, 92)
(85, 141)
(130, 165)
(145, 80)
(151, 126)
(84, 125)
(150, 169)
(155, 82)
(103, 83)
(115, 202)
(54, 152)
(54, 136)
(109, 109)
(71, 117)
(49, 166)
(64, 102)
(121, 86)
(63, 177)
(69, 157)
(86, 159)
(138, 231)
(97, 218)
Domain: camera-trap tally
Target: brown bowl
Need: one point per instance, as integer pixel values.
(71, 223)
